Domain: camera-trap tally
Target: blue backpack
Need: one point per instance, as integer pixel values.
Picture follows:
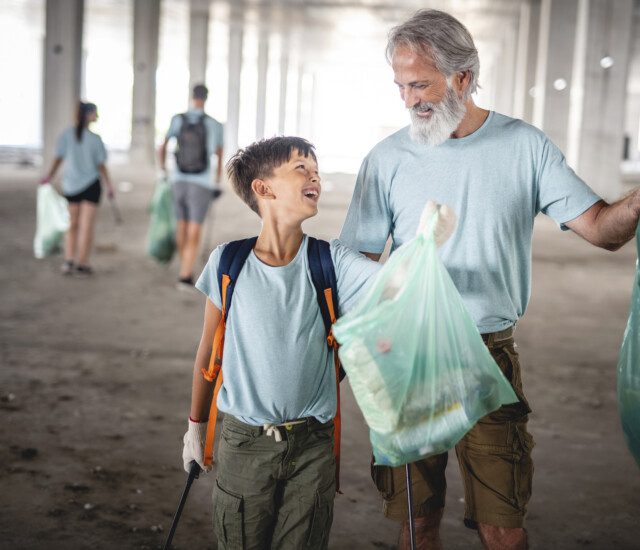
(323, 275)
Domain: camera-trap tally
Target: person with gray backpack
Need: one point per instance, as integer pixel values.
(198, 137)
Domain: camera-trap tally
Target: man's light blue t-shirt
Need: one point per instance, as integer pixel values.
(81, 159)
(214, 140)
(276, 363)
(496, 180)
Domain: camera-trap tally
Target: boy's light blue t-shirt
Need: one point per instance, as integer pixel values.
(496, 180)
(214, 140)
(276, 363)
(81, 159)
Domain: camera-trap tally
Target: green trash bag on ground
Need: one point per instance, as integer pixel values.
(52, 221)
(161, 239)
(416, 362)
(629, 370)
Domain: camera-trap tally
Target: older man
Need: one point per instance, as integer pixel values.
(497, 173)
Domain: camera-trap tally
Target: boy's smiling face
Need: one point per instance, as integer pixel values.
(293, 190)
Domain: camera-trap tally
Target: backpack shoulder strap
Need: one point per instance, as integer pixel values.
(232, 260)
(323, 275)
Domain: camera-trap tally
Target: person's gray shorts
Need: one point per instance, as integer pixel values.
(191, 201)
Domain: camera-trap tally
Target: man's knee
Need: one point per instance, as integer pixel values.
(502, 538)
(427, 531)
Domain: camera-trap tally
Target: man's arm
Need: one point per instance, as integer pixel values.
(371, 256)
(162, 154)
(609, 226)
(219, 170)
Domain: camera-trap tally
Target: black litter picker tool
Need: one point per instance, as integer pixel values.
(194, 472)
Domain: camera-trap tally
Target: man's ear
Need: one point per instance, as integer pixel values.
(462, 80)
(262, 189)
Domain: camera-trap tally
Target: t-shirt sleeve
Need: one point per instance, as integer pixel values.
(100, 152)
(174, 127)
(368, 222)
(354, 273)
(61, 144)
(207, 283)
(562, 195)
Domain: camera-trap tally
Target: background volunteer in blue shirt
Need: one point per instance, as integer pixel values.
(198, 137)
(497, 173)
(84, 157)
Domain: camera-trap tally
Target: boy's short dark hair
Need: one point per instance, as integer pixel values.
(258, 160)
(200, 91)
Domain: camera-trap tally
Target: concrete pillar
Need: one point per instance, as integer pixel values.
(62, 69)
(506, 66)
(556, 39)
(198, 42)
(236, 36)
(598, 100)
(263, 66)
(525, 79)
(632, 118)
(284, 78)
(146, 25)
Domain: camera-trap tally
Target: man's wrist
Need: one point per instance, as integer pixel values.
(195, 421)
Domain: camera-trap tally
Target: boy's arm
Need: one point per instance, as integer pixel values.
(202, 390)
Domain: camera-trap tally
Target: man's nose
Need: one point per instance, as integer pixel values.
(410, 99)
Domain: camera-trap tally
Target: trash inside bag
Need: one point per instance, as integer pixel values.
(161, 240)
(629, 370)
(52, 221)
(416, 362)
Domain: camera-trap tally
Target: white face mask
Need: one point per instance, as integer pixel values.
(446, 117)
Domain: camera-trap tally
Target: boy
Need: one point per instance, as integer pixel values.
(276, 469)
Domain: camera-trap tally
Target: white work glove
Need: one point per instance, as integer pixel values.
(446, 222)
(193, 449)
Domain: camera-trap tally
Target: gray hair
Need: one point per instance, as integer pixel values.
(441, 37)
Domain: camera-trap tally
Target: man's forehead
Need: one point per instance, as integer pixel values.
(404, 55)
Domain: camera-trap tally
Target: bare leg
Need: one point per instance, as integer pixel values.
(88, 212)
(181, 236)
(502, 538)
(71, 237)
(427, 532)
(190, 249)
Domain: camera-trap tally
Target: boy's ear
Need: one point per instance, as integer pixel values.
(262, 189)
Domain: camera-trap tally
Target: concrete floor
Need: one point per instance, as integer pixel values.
(99, 371)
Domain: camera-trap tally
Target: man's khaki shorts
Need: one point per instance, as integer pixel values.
(494, 457)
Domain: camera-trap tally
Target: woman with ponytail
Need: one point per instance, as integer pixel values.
(84, 155)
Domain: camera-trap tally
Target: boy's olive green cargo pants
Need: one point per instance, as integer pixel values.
(272, 494)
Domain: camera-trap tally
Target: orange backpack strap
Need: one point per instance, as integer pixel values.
(337, 421)
(232, 260)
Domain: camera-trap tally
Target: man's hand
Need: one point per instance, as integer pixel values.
(445, 224)
(193, 449)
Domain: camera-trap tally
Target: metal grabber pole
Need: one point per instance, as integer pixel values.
(412, 526)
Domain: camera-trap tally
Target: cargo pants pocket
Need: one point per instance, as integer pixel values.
(382, 477)
(322, 519)
(228, 519)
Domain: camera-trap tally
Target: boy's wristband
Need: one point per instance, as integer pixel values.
(198, 421)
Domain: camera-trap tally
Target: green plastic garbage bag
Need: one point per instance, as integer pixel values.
(52, 221)
(161, 239)
(417, 365)
(629, 370)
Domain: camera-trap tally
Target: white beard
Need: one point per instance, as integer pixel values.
(444, 119)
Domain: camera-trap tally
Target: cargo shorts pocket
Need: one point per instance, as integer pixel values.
(383, 479)
(322, 519)
(228, 519)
